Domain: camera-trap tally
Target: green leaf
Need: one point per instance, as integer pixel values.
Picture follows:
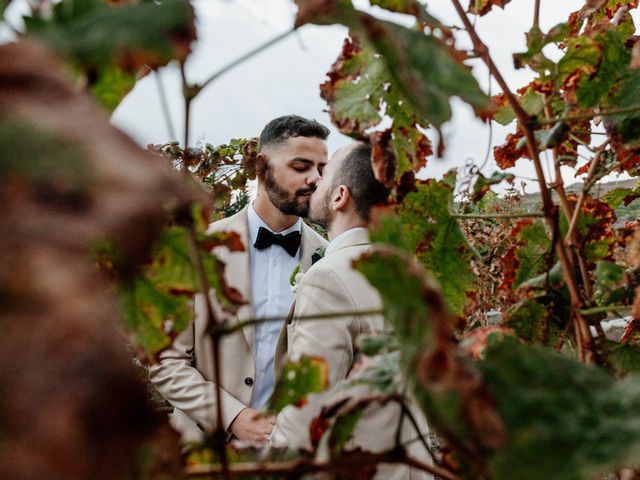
(172, 268)
(615, 60)
(565, 420)
(153, 316)
(623, 357)
(627, 97)
(411, 7)
(542, 320)
(424, 69)
(610, 281)
(583, 56)
(531, 101)
(536, 41)
(343, 427)
(553, 278)
(297, 380)
(109, 43)
(112, 86)
(618, 195)
(376, 344)
(483, 184)
(531, 253)
(356, 100)
(435, 236)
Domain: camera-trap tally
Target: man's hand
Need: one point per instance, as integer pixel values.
(249, 425)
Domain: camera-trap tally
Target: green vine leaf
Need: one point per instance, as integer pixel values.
(297, 380)
(110, 44)
(581, 420)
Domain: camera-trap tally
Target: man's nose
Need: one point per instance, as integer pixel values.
(313, 179)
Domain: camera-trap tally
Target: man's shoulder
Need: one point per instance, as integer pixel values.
(234, 221)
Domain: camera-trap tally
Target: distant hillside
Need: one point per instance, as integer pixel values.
(531, 201)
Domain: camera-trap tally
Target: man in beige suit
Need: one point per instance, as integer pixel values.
(342, 202)
(292, 154)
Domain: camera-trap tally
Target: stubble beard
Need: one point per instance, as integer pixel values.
(284, 200)
(322, 214)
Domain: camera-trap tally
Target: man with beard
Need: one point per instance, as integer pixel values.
(291, 155)
(342, 203)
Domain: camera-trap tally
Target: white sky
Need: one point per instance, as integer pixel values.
(285, 78)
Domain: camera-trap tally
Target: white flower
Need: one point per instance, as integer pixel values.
(294, 279)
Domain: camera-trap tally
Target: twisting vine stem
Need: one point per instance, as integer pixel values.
(583, 337)
(219, 433)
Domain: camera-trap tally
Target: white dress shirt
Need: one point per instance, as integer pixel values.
(271, 297)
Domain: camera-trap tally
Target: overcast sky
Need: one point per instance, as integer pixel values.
(285, 78)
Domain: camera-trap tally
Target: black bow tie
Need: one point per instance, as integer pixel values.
(290, 242)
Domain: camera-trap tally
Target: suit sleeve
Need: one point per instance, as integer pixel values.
(187, 389)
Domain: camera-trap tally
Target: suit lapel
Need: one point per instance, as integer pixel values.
(238, 274)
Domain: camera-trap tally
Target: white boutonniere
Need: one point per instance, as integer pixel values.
(294, 279)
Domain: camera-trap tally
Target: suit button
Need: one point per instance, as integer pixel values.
(248, 381)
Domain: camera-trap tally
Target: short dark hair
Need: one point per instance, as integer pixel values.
(281, 128)
(356, 173)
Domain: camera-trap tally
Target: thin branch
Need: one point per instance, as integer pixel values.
(220, 330)
(211, 321)
(245, 57)
(570, 237)
(585, 345)
(188, 97)
(583, 116)
(536, 15)
(406, 412)
(344, 463)
(165, 106)
(605, 309)
(497, 215)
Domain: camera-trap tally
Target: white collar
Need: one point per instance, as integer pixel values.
(255, 222)
(333, 245)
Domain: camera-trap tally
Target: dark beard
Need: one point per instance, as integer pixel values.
(283, 200)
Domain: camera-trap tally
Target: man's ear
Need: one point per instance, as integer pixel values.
(262, 165)
(341, 197)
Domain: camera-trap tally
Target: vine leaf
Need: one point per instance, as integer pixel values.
(483, 184)
(429, 230)
(610, 283)
(482, 7)
(297, 380)
(536, 41)
(623, 357)
(153, 316)
(71, 180)
(552, 406)
(615, 59)
(530, 100)
(425, 69)
(619, 196)
(358, 90)
(355, 87)
(542, 319)
(596, 235)
(529, 257)
(112, 44)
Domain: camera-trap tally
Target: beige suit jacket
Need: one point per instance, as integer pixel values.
(185, 374)
(332, 285)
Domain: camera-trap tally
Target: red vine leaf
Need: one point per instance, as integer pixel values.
(507, 154)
